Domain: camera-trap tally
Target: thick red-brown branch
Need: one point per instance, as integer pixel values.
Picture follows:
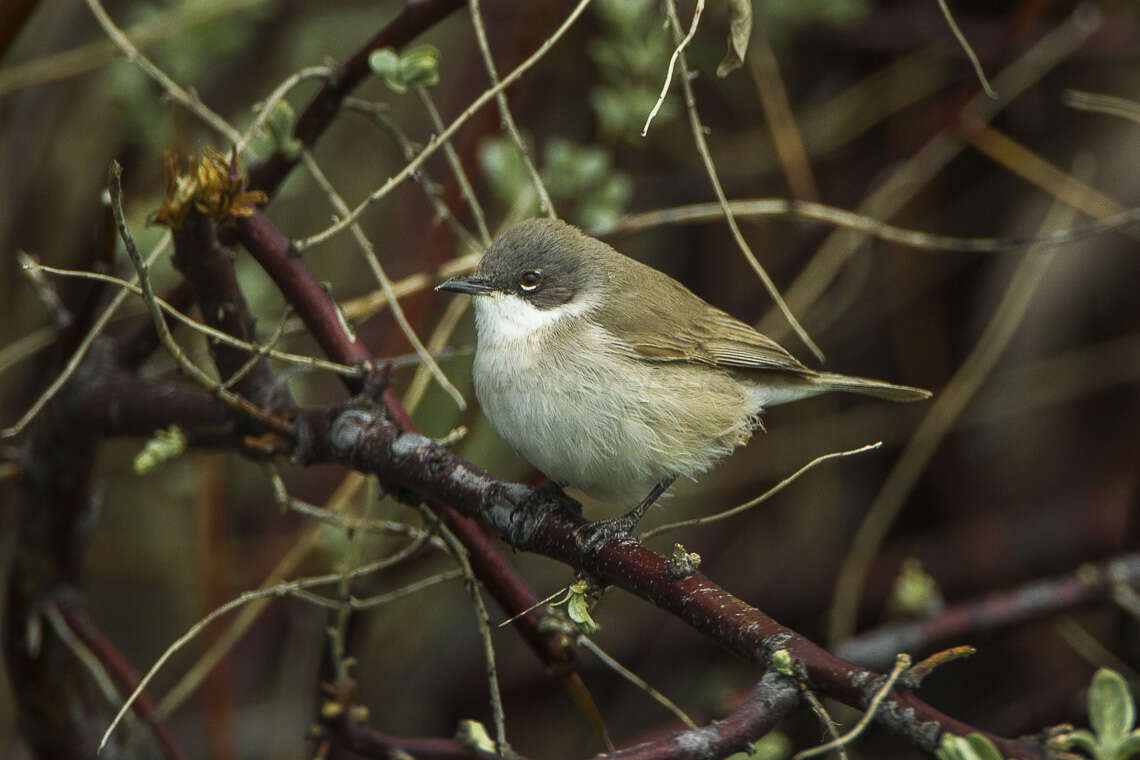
(366, 440)
(209, 268)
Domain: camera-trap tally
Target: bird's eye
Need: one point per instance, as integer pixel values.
(530, 280)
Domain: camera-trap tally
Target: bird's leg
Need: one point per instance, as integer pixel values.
(594, 535)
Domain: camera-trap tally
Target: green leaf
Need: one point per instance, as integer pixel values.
(165, 445)
(622, 16)
(1083, 740)
(783, 662)
(771, 746)
(419, 66)
(1111, 710)
(279, 128)
(1130, 747)
(473, 734)
(385, 62)
(972, 747)
(739, 32)
(578, 610)
(983, 747)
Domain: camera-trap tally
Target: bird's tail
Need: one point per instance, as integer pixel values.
(832, 381)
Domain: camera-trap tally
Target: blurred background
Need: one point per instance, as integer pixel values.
(1031, 446)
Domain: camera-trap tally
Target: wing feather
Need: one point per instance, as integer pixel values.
(679, 326)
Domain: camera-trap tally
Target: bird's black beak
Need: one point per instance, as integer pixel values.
(472, 286)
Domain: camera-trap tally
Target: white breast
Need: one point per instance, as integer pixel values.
(585, 416)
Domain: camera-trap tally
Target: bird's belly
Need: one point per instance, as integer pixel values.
(608, 426)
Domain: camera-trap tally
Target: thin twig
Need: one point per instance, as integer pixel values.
(188, 684)
(677, 51)
(1090, 649)
(27, 346)
(382, 277)
(902, 662)
(1106, 104)
(80, 352)
(261, 353)
(821, 713)
(484, 622)
(545, 203)
(438, 140)
(456, 165)
(289, 588)
(265, 108)
(44, 290)
(372, 602)
(907, 181)
(287, 501)
(438, 340)
(378, 115)
(101, 322)
(938, 422)
(312, 362)
(83, 58)
(533, 607)
(710, 168)
(786, 136)
(1030, 166)
(227, 397)
(967, 49)
(365, 306)
(779, 207)
(637, 681)
(191, 102)
(81, 652)
(759, 499)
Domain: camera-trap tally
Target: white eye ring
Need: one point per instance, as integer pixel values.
(530, 281)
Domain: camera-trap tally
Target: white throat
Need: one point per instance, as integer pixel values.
(507, 318)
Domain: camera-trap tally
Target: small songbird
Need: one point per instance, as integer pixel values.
(614, 378)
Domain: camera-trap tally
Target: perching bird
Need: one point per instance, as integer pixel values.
(614, 378)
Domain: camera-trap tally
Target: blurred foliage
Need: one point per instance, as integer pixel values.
(915, 592)
(185, 57)
(631, 54)
(782, 19)
(581, 179)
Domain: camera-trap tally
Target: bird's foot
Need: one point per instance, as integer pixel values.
(592, 536)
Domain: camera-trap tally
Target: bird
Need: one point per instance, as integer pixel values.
(613, 378)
